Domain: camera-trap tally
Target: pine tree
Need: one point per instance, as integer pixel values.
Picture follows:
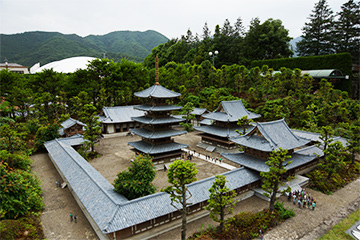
(347, 28)
(272, 179)
(180, 174)
(318, 34)
(220, 198)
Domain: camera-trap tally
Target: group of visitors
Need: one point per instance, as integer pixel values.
(213, 159)
(303, 199)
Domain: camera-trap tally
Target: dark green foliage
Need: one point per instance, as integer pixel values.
(319, 182)
(284, 213)
(137, 181)
(347, 28)
(93, 126)
(31, 47)
(318, 33)
(46, 133)
(28, 227)
(245, 225)
(341, 61)
(20, 192)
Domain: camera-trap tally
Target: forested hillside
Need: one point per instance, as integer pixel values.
(31, 47)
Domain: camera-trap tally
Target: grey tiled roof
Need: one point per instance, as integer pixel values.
(67, 124)
(156, 149)
(159, 204)
(221, 131)
(233, 111)
(157, 91)
(275, 134)
(145, 133)
(74, 140)
(120, 114)
(113, 212)
(158, 108)
(92, 189)
(199, 111)
(298, 158)
(71, 122)
(165, 120)
(315, 137)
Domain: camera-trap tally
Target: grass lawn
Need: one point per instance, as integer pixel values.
(338, 231)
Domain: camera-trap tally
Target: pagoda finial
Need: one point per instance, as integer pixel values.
(157, 70)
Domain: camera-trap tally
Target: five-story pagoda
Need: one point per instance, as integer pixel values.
(157, 123)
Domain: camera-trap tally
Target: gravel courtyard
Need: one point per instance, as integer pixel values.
(116, 155)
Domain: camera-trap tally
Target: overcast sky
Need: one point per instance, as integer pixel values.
(171, 18)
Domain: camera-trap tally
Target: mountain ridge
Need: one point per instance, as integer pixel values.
(31, 47)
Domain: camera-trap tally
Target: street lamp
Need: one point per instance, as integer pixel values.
(213, 55)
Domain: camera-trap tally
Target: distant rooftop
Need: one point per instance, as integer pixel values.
(269, 136)
(68, 65)
(157, 91)
(230, 111)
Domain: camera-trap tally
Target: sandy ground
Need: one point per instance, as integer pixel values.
(116, 155)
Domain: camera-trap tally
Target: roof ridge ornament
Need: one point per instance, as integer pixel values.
(157, 70)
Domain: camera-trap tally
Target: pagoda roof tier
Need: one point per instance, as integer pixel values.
(156, 149)
(164, 120)
(159, 108)
(221, 131)
(269, 136)
(298, 158)
(230, 111)
(157, 91)
(145, 133)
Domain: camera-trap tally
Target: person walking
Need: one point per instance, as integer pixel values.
(71, 217)
(75, 219)
(313, 206)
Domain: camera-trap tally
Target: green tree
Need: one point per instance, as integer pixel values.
(137, 181)
(317, 37)
(93, 126)
(244, 122)
(266, 41)
(20, 192)
(354, 141)
(46, 133)
(347, 28)
(179, 175)
(186, 111)
(334, 157)
(220, 198)
(272, 179)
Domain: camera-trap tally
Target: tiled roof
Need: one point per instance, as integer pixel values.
(120, 114)
(74, 140)
(145, 133)
(156, 149)
(67, 124)
(315, 137)
(113, 212)
(158, 108)
(298, 158)
(275, 135)
(157, 91)
(199, 111)
(165, 120)
(221, 131)
(233, 111)
(92, 189)
(159, 204)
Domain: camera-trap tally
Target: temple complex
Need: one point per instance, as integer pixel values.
(156, 130)
(223, 124)
(269, 136)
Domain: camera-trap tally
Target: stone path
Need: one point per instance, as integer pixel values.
(203, 157)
